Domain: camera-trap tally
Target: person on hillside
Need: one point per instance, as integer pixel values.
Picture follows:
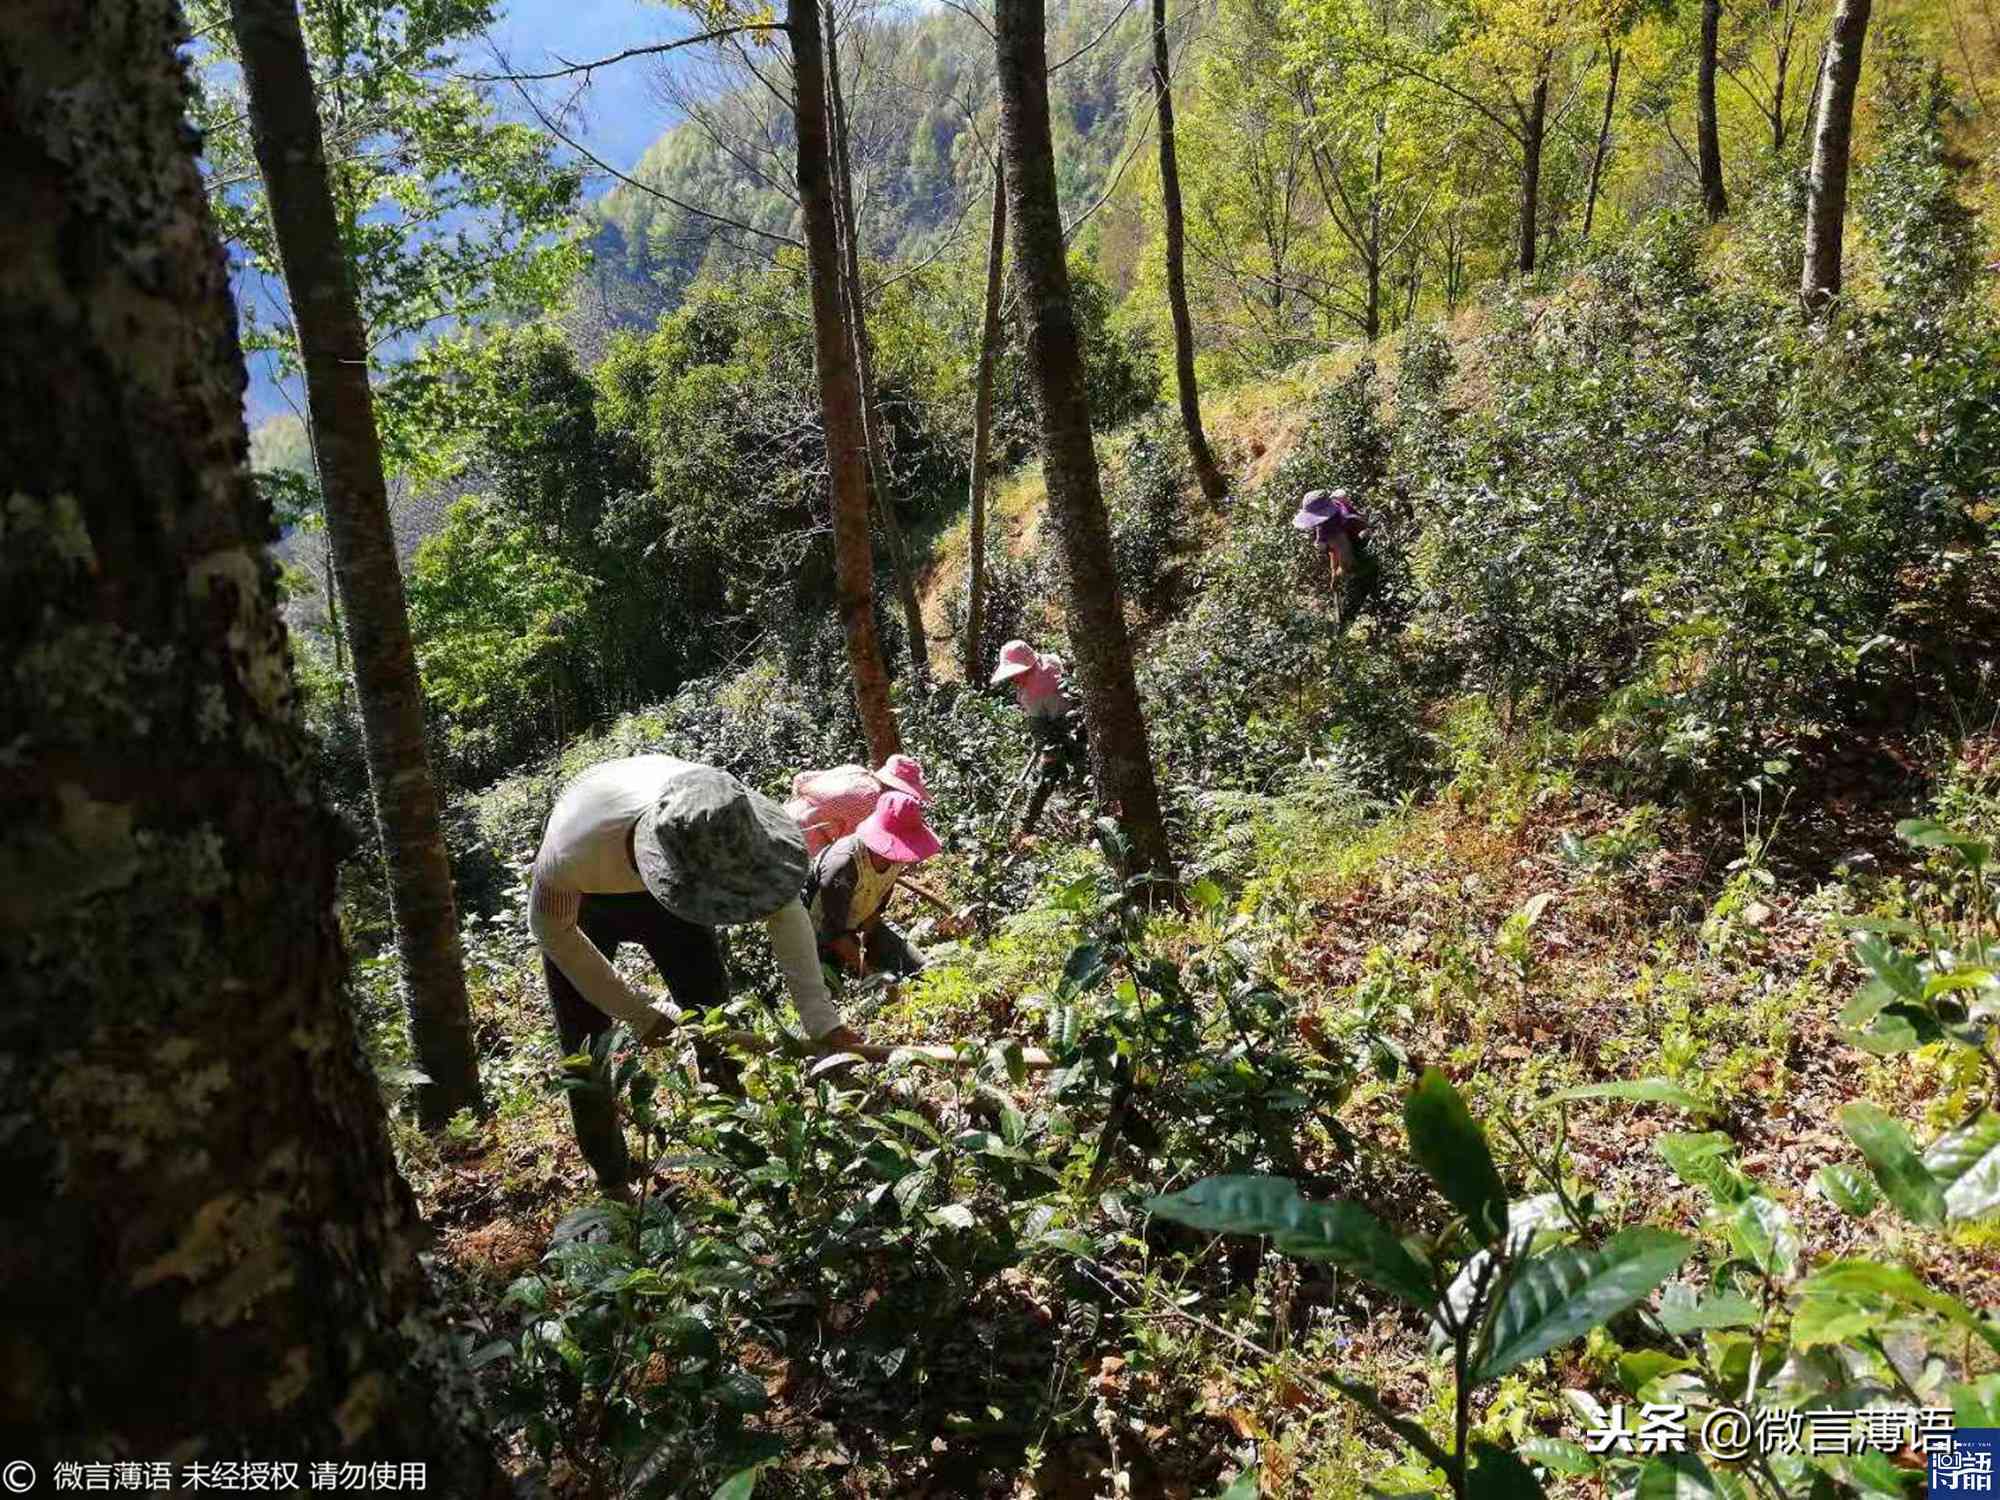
(660, 852)
(829, 805)
(851, 883)
(1340, 532)
(1054, 720)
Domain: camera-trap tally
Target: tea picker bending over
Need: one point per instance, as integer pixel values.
(660, 852)
(1339, 531)
(829, 805)
(852, 881)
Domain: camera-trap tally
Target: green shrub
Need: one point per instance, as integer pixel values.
(1928, 241)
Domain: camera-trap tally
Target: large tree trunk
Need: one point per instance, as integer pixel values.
(1597, 157)
(1213, 486)
(1121, 759)
(205, 1247)
(839, 387)
(976, 665)
(1708, 144)
(1534, 129)
(292, 158)
(1826, 191)
(864, 360)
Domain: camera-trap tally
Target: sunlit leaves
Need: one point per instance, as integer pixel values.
(1892, 1156)
(1450, 1146)
(1566, 1292)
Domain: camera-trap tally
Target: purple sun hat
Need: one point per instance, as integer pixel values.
(1319, 507)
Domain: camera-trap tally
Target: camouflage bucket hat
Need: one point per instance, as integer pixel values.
(713, 851)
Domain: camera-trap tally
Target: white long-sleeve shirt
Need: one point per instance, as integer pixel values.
(585, 853)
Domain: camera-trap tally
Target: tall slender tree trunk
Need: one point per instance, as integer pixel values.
(864, 360)
(1826, 192)
(1597, 157)
(1708, 145)
(1372, 267)
(839, 386)
(334, 628)
(1533, 133)
(982, 436)
(1809, 131)
(292, 157)
(1207, 475)
(1121, 758)
(1782, 67)
(206, 1249)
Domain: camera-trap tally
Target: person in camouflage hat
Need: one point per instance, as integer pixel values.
(660, 852)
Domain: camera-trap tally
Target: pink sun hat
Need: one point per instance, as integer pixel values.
(1016, 657)
(896, 830)
(902, 773)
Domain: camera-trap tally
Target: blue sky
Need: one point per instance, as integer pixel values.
(620, 115)
(623, 117)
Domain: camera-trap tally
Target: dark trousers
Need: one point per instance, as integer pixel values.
(1352, 588)
(1064, 746)
(688, 957)
(883, 949)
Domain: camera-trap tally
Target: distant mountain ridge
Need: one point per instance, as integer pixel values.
(923, 117)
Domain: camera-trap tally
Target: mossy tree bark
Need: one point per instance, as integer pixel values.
(1708, 144)
(976, 665)
(1207, 475)
(856, 304)
(205, 1246)
(1121, 758)
(1826, 189)
(839, 385)
(333, 345)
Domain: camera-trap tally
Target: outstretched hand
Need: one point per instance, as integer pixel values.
(840, 1039)
(663, 1029)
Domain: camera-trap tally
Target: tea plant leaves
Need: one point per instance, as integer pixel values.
(1681, 1312)
(1525, 1217)
(738, 1486)
(1497, 1474)
(1703, 1160)
(1451, 1147)
(1340, 1233)
(1558, 1455)
(1873, 1279)
(1642, 1090)
(1891, 965)
(1677, 1476)
(1846, 1189)
(1892, 1157)
(1977, 1403)
(1564, 1294)
(1926, 834)
(1966, 1163)
(1833, 1322)
(1763, 1234)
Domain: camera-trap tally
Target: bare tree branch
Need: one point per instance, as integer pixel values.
(973, 16)
(1117, 16)
(655, 49)
(645, 187)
